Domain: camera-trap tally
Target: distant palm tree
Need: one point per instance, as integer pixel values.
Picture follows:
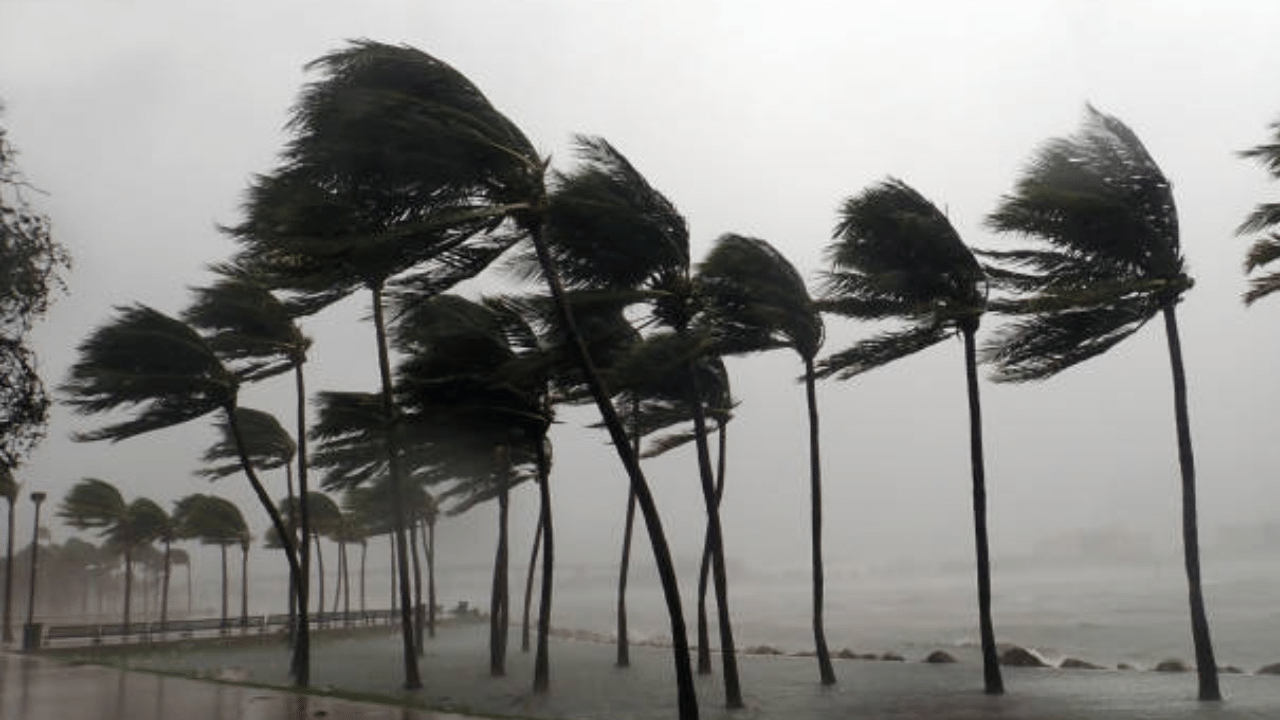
(215, 521)
(257, 333)
(1109, 259)
(97, 504)
(161, 368)
(897, 257)
(1264, 218)
(178, 556)
(8, 489)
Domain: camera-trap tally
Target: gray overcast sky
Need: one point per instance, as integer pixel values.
(144, 121)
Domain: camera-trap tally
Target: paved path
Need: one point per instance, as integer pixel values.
(36, 688)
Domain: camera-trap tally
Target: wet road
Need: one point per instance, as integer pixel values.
(34, 688)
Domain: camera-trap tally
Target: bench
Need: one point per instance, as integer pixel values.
(73, 632)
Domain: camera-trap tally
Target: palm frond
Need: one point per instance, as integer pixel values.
(267, 444)
(880, 350)
(1044, 344)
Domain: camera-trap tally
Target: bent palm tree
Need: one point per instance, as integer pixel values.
(165, 371)
(1265, 217)
(757, 301)
(1109, 260)
(896, 256)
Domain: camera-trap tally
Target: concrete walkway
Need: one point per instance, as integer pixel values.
(36, 688)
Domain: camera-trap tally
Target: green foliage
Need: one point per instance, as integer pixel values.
(248, 326)
(31, 263)
(1110, 259)
(897, 256)
(151, 363)
(210, 519)
(96, 504)
(1265, 216)
(266, 442)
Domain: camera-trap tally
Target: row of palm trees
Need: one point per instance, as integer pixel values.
(401, 180)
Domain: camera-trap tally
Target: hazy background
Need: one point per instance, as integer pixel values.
(144, 121)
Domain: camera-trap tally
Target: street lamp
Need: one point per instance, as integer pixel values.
(31, 632)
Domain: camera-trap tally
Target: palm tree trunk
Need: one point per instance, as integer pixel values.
(8, 579)
(1206, 665)
(412, 681)
(301, 661)
(624, 567)
(704, 568)
(293, 579)
(164, 591)
(418, 620)
(244, 586)
(337, 580)
(992, 681)
(728, 655)
(528, 585)
(542, 660)
(687, 699)
(189, 595)
(498, 597)
(364, 553)
(391, 541)
(128, 584)
(431, 576)
(223, 547)
(346, 585)
(319, 575)
(825, 671)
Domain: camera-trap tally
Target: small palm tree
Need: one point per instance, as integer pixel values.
(1108, 260)
(896, 256)
(215, 521)
(756, 300)
(1264, 218)
(164, 370)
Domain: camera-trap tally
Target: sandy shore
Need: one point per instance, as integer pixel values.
(586, 685)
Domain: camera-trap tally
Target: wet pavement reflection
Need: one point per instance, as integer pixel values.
(34, 688)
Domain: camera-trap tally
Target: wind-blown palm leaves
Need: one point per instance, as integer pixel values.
(1107, 260)
(1264, 218)
(166, 373)
(756, 300)
(257, 334)
(216, 521)
(266, 442)
(896, 256)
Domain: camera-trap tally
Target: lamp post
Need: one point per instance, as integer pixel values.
(31, 632)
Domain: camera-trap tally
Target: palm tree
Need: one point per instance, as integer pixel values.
(896, 256)
(164, 370)
(1265, 217)
(257, 333)
(178, 556)
(9, 489)
(1109, 261)
(97, 504)
(215, 521)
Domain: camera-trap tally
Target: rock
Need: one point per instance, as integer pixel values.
(1171, 665)
(868, 656)
(1125, 666)
(1021, 657)
(1230, 670)
(846, 654)
(1272, 669)
(803, 653)
(939, 657)
(891, 657)
(1074, 664)
(762, 650)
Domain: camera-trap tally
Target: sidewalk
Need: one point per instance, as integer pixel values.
(37, 688)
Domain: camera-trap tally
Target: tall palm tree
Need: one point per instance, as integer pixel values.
(896, 257)
(8, 489)
(258, 334)
(215, 521)
(178, 556)
(96, 504)
(1264, 218)
(1107, 260)
(164, 371)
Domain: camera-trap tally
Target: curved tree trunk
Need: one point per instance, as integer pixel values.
(431, 576)
(1206, 665)
(687, 699)
(164, 591)
(542, 659)
(528, 585)
(498, 597)
(223, 624)
(412, 680)
(825, 671)
(337, 579)
(728, 655)
(302, 576)
(319, 574)
(624, 567)
(992, 681)
(128, 584)
(704, 568)
(244, 586)
(292, 527)
(8, 579)
(418, 620)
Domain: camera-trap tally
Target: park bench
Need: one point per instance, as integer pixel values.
(73, 632)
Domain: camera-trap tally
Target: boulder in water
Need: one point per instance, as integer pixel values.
(1075, 664)
(939, 657)
(892, 657)
(762, 650)
(1172, 665)
(846, 654)
(1230, 670)
(1125, 666)
(1272, 669)
(1021, 657)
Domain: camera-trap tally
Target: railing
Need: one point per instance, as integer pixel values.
(97, 633)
